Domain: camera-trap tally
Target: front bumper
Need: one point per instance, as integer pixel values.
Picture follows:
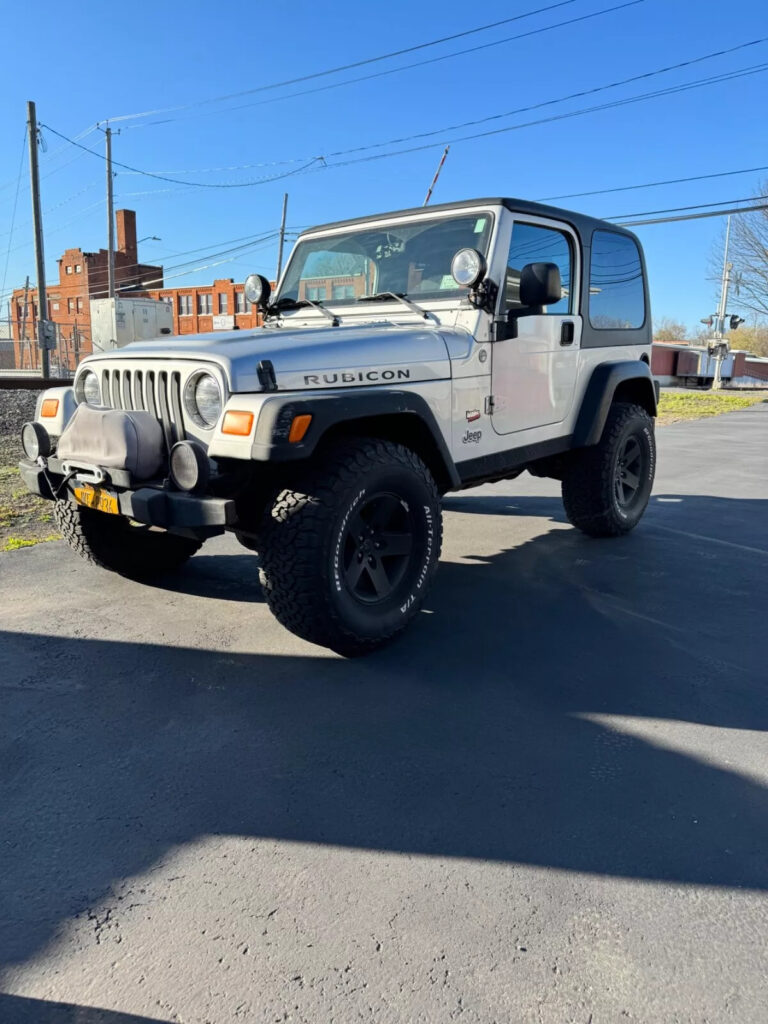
(153, 505)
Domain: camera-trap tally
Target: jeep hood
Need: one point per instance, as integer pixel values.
(309, 358)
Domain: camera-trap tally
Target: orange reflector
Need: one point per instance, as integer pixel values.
(49, 407)
(236, 422)
(299, 427)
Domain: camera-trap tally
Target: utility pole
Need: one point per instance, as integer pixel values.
(110, 220)
(437, 175)
(721, 345)
(43, 324)
(282, 239)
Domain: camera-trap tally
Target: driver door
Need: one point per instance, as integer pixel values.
(534, 374)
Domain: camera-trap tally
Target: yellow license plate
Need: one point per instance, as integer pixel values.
(95, 497)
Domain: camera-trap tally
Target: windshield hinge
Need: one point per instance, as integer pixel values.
(490, 405)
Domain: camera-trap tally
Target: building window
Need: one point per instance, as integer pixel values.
(185, 305)
(315, 293)
(55, 307)
(70, 305)
(79, 305)
(534, 244)
(78, 268)
(616, 287)
(204, 305)
(240, 302)
(343, 291)
(69, 269)
(223, 303)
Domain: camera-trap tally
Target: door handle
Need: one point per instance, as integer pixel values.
(567, 332)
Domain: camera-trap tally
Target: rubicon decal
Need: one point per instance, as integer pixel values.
(355, 377)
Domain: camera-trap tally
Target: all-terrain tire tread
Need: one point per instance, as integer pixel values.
(93, 536)
(588, 479)
(295, 531)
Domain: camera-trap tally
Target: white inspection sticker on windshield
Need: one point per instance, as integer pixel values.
(479, 225)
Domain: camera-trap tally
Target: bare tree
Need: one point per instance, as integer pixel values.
(749, 254)
(667, 329)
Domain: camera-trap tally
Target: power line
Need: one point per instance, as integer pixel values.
(394, 71)
(345, 67)
(694, 216)
(697, 84)
(559, 99)
(679, 209)
(176, 181)
(651, 184)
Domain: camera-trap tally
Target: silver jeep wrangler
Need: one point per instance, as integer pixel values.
(402, 356)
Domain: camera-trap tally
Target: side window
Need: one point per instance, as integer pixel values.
(616, 293)
(534, 244)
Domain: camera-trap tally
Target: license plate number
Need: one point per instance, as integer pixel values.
(98, 498)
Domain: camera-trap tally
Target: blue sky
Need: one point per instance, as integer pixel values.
(96, 61)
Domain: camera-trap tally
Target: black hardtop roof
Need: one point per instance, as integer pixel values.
(583, 224)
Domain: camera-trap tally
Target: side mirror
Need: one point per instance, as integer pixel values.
(540, 285)
(257, 291)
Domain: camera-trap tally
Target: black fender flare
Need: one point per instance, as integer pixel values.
(329, 411)
(603, 384)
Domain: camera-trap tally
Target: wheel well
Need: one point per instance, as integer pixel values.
(407, 429)
(639, 391)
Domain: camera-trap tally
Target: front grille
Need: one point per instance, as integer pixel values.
(155, 391)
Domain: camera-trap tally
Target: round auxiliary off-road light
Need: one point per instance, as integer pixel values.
(35, 440)
(189, 466)
(468, 267)
(257, 290)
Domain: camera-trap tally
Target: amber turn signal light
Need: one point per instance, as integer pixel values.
(299, 427)
(236, 422)
(49, 407)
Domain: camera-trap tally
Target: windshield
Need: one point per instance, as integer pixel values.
(412, 258)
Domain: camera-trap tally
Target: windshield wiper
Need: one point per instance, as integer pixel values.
(288, 303)
(400, 297)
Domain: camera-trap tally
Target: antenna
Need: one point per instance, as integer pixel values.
(437, 175)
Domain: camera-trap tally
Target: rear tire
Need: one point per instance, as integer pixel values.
(115, 543)
(606, 487)
(349, 552)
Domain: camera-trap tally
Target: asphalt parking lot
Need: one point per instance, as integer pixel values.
(547, 803)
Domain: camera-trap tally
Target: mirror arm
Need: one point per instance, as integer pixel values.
(484, 295)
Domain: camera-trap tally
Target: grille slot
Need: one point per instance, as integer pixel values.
(157, 393)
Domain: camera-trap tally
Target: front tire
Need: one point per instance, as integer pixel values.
(606, 487)
(115, 543)
(349, 552)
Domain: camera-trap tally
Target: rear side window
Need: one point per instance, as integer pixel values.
(534, 244)
(616, 292)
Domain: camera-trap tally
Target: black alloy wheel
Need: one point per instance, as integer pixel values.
(378, 545)
(628, 473)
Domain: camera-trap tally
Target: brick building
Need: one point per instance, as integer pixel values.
(220, 306)
(82, 276)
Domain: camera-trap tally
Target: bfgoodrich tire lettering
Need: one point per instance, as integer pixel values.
(114, 542)
(349, 552)
(606, 487)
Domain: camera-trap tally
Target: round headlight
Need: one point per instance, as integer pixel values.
(468, 267)
(203, 400)
(87, 389)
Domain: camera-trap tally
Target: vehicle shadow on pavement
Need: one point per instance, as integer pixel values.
(537, 713)
(222, 577)
(22, 1010)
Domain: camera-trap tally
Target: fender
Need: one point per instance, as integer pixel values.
(328, 411)
(631, 377)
